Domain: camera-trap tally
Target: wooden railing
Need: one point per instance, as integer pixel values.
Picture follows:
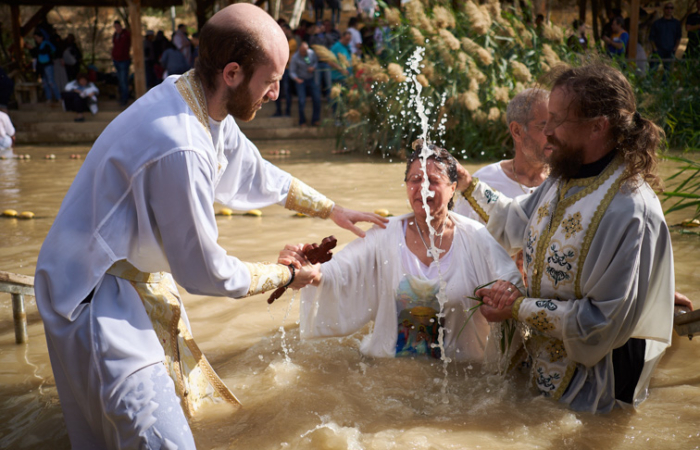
(18, 286)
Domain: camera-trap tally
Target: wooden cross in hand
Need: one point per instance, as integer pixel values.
(315, 254)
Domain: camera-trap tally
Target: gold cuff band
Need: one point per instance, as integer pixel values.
(307, 200)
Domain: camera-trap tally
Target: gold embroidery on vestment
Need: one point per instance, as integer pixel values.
(265, 277)
(593, 228)
(591, 184)
(572, 225)
(184, 361)
(541, 321)
(469, 197)
(191, 90)
(542, 212)
(306, 200)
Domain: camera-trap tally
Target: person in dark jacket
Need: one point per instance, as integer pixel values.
(44, 53)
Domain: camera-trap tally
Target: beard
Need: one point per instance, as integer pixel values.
(240, 102)
(565, 161)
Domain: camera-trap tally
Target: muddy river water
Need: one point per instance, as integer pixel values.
(328, 396)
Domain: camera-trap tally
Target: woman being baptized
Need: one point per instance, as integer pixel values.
(391, 278)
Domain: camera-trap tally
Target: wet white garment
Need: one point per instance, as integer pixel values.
(494, 176)
(120, 205)
(626, 280)
(359, 285)
(6, 128)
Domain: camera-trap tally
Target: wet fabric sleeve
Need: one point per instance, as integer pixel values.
(181, 198)
(347, 297)
(505, 218)
(249, 181)
(633, 267)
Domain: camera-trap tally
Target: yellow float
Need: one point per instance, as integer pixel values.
(300, 215)
(9, 213)
(26, 215)
(226, 212)
(383, 212)
(691, 223)
(253, 213)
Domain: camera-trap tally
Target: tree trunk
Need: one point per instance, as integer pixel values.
(582, 10)
(596, 17)
(137, 48)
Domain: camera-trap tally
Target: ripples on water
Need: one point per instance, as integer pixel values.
(329, 396)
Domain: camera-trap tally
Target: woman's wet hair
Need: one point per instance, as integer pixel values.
(437, 154)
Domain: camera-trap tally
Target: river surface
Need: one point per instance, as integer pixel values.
(328, 396)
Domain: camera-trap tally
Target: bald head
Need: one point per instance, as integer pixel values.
(241, 33)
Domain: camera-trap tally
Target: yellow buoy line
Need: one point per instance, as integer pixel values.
(12, 214)
(227, 212)
(383, 212)
(49, 156)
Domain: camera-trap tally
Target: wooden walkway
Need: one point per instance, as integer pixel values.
(18, 286)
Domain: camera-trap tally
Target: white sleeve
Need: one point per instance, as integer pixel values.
(249, 181)
(180, 201)
(347, 297)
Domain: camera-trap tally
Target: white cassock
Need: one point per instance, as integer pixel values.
(140, 209)
(599, 262)
(377, 279)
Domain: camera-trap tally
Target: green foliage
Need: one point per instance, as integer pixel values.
(671, 101)
(686, 195)
(475, 60)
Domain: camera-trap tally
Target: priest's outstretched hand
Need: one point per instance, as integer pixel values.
(347, 218)
(305, 272)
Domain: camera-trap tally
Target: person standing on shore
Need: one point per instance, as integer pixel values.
(127, 369)
(121, 48)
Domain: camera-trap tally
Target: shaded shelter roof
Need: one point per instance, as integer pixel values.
(104, 3)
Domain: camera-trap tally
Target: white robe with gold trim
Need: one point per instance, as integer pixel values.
(616, 285)
(145, 195)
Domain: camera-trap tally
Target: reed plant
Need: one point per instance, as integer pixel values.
(476, 58)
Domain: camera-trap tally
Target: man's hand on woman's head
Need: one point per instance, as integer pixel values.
(464, 178)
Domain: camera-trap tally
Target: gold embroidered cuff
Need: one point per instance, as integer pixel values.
(469, 197)
(515, 307)
(266, 277)
(307, 200)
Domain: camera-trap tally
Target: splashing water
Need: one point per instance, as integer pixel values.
(433, 252)
(287, 350)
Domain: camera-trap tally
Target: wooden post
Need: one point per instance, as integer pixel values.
(634, 30)
(19, 315)
(17, 36)
(297, 13)
(276, 9)
(35, 20)
(18, 286)
(137, 47)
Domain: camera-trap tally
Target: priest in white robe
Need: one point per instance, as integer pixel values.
(127, 370)
(393, 278)
(596, 247)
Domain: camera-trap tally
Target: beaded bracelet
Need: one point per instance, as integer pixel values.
(291, 269)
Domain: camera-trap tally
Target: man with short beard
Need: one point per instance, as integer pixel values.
(127, 370)
(597, 250)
